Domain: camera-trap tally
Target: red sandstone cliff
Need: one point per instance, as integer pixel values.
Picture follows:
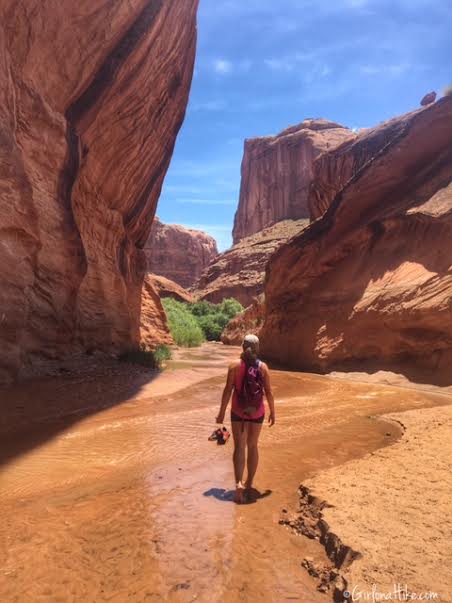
(250, 320)
(167, 288)
(178, 253)
(239, 272)
(277, 173)
(92, 95)
(154, 328)
(370, 282)
(333, 169)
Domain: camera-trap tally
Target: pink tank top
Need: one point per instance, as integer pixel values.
(235, 403)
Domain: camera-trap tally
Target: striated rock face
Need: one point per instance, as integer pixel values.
(277, 173)
(154, 328)
(240, 271)
(92, 95)
(333, 169)
(167, 288)
(250, 320)
(370, 282)
(180, 254)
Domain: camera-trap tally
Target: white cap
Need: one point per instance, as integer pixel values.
(250, 338)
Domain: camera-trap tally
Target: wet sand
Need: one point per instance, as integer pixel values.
(111, 491)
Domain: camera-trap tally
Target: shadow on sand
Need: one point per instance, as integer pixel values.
(36, 410)
(252, 495)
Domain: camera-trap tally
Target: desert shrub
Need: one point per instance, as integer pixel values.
(212, 318)
(212, 325)
(142, 356)
(191, 324)
(230, 307)
(183, 325)
(202, 308)
(162, 352)
(448, 91)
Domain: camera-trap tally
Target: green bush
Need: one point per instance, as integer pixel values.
(191, 324)
(143, 356)
(212, 318)
(230, 307)
(212, 325)
(162, 352)
(183, 325)
(202, 308)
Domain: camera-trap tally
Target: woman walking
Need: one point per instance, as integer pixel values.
(248, 379)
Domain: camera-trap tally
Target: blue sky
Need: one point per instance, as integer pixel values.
(263, 65)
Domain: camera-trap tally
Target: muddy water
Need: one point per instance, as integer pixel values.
(110, 490)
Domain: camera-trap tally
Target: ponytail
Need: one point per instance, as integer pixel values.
(249, 355)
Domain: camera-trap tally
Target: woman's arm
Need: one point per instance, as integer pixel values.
(269, 394)
(226, 393)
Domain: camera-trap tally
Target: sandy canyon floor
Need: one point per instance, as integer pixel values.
(110, 490)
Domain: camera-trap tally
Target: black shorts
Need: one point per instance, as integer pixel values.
(235, 417)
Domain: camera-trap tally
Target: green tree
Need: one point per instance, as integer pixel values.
(183, 325)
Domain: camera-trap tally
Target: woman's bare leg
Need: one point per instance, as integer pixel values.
(240, 433)
(254, 430)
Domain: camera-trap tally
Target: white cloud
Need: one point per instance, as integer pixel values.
(212, 105)
(222, 66)
(393, 69)
(396, 69)
(279, 64)
(356, 3)
(298, 61)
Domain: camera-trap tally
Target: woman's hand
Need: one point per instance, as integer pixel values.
(220, 418)
(271, 419)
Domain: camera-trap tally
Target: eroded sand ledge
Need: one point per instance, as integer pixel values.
(386, 519)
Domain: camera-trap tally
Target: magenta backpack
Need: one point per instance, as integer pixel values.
(251, 393)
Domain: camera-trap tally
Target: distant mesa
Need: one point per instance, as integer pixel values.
(178, 253)
(277, 174)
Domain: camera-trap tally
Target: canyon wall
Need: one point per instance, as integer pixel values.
(250, 320)
(333, 169)
(92, 95)
(239, 272)
(154, 329)
(277, 172)
(167, 288)
(369, 283)
(178, 253)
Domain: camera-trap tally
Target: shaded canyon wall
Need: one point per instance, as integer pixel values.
(92, 95)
